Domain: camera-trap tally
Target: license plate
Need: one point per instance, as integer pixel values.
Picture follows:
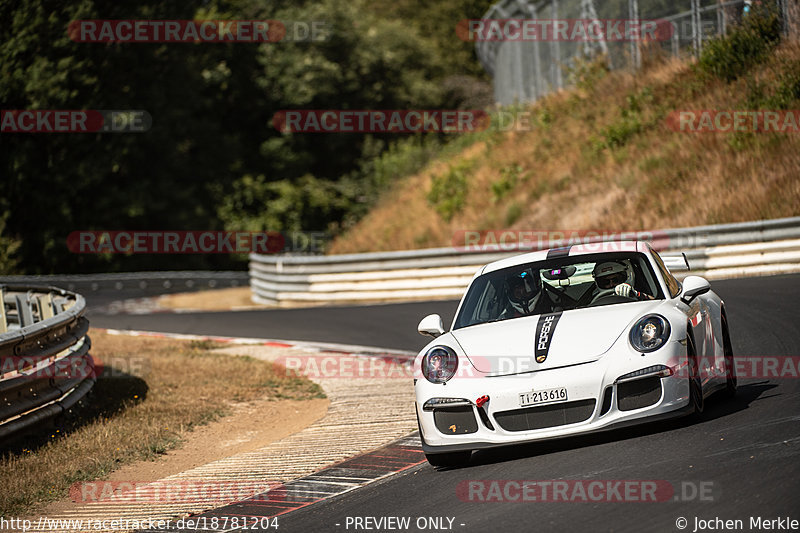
(539, 397)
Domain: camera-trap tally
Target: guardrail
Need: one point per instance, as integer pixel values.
(727, 250)
(45, 366)
(168, 281)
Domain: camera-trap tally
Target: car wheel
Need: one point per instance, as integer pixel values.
(730, 365)
(695, 380)
(449, 459)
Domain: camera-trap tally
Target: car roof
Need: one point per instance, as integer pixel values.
(571, 251)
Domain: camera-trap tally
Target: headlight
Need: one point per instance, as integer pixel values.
(439, 364)
(650, 333)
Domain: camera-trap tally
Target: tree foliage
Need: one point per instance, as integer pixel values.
(212, 158)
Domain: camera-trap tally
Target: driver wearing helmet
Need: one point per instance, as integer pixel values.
(616, 277)
(525, 296)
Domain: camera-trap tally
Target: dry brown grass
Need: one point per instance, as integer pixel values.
(657, 178)
(151, 395)
(213, 300)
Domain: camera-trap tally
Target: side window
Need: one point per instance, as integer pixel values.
(645, 277)
(489, 304)
(673, 285)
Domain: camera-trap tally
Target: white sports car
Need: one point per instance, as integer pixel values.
(569, 341)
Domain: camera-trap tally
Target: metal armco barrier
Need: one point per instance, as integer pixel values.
(727, 250)
(175, 281)
(45, 366)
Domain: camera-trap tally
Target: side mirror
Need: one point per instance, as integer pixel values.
(431, 325)
(694, 286)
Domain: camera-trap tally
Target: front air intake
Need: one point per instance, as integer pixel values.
(638, 394)
(608, 395)
(455, 420)
(546, 416)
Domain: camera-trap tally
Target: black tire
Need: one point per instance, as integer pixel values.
(695, 380)
(730, 366)
(448, 460)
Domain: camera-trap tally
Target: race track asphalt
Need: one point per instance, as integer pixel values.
(392, 326)
(740, 460)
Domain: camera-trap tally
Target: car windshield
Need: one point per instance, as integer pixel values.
(561, 284)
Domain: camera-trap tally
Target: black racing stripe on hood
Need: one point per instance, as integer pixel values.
(545, 329)
(555, 253)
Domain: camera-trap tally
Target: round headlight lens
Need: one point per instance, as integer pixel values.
(439, 364)
(650, 333)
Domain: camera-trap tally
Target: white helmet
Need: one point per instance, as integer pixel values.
(609, 274)
(524, 290)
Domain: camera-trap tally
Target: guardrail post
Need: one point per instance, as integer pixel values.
(24, 311)
(555, 50)
(697, 38)
(784, 8)
(3, 322)
(46, 306)
(636, 52)
(676, 48)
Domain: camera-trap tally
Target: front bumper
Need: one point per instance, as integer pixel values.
(596, 402)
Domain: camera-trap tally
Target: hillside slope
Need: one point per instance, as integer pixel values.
(603, 157)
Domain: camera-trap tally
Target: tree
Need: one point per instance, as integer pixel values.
(211, 139)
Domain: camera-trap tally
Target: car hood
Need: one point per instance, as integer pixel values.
(579, 336)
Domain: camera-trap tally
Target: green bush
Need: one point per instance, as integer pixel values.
(449, 191)
(730, 56)
(513, 213)
(509, 177)
(586, 72)
(618, 133)
(781, 93)
(630, 122)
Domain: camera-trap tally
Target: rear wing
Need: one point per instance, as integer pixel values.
(676, 262)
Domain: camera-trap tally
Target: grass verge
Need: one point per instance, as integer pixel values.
(211, 300)
(151, 395)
